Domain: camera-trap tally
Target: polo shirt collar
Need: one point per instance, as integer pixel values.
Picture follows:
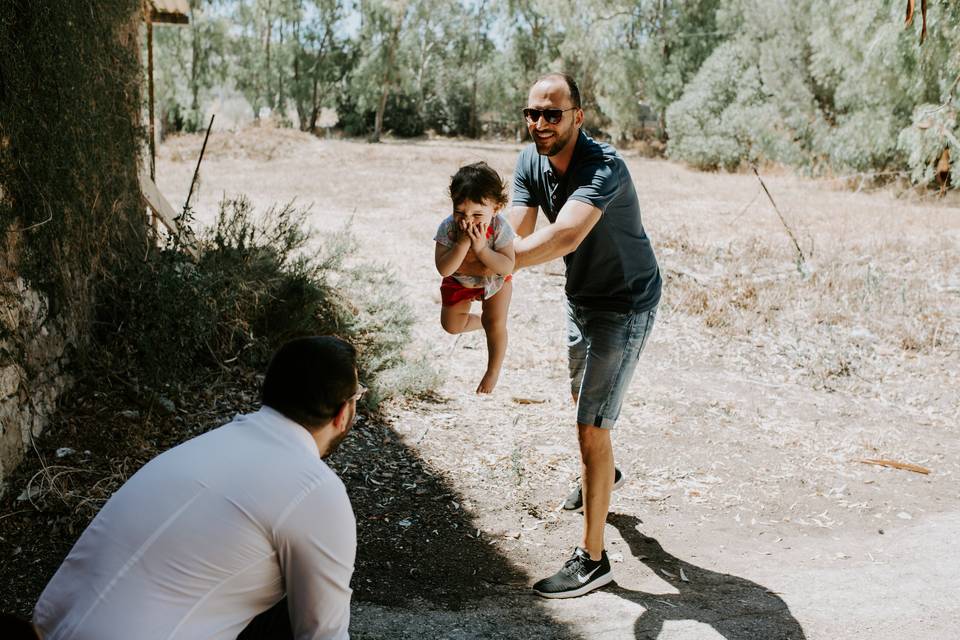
(291, 430)
(554, 178)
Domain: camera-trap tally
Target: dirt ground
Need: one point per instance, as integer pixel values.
(760, 392)
(749, 511)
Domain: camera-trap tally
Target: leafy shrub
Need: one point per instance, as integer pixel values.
(710, 126)
(933, 129)
(256, 284)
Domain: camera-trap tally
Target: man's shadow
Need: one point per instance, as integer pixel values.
(736, 608)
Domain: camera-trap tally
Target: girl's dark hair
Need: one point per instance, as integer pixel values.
(477, 182)
(309, 379)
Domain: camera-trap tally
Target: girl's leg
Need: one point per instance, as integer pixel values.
(457, 318)
(494, 321)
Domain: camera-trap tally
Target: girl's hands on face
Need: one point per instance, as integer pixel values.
(478, 236)
(463, 227)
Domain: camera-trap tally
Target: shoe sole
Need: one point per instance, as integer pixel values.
(616, 485)
(585, 589)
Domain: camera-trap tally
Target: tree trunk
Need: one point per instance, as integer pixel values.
(281, 98)
(314, 106)
(315, 74)
(298, 97)
(269, 36)
(378, 120)
(388, 76)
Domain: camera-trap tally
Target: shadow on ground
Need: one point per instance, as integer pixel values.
(736, 608)
(419, 551)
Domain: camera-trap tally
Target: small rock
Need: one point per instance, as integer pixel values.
(406, 522)
(130, 413)
(28, 493)
(64, 451)
(167, 405)
(615, 557)
(903, 515)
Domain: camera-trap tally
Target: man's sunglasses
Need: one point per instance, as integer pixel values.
(552, 116)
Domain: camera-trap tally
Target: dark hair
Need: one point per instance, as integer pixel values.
(571, 85)
(309, 379)
(477, 182)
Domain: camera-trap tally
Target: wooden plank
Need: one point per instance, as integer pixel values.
(164, 212)
(170, 11)
(169, 18)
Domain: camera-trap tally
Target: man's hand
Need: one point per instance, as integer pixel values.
(572, 225)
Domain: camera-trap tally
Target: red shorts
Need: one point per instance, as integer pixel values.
(452, 292)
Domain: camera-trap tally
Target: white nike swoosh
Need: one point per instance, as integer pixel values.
(583, 579)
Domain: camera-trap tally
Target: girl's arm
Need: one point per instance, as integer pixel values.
(499, 260)
(449, 258)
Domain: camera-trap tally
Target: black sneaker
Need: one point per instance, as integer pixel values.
(574, 501)
(578, 576)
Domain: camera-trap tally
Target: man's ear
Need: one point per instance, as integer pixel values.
(578, 118)
(342, 419)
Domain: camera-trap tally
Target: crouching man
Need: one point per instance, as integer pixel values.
(242, 531)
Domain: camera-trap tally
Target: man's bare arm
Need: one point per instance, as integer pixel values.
(573, 223)
(523, 219)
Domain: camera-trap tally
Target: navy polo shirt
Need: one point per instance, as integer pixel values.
(614, 268)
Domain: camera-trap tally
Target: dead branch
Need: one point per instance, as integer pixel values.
(802, 259)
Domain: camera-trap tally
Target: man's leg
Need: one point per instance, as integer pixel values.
(596, 453)
(611, 345)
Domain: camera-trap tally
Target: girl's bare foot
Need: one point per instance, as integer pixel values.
(488, 382)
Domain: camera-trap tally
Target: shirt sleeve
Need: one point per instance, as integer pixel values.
(523, 194)
(503, 233)
(597, 184)
(446, 233)
(316, 548)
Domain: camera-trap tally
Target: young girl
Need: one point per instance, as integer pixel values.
(478, 232)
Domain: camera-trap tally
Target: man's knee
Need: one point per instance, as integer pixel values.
(592, 438)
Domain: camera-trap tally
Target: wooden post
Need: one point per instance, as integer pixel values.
(153, 150)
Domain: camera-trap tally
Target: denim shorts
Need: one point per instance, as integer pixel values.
(603, 350)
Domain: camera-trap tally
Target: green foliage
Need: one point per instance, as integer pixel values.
(824, 85)
(69, 143)
(256, 284)
(933, 129)
(189, 61)
(821, 85)
(706, 124)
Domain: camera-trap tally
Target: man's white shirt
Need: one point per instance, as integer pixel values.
(206, 536)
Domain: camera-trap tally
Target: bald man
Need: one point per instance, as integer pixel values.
(612, 291)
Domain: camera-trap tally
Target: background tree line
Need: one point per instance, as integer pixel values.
(821, 85)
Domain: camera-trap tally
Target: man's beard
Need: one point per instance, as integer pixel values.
(341, 437)
(555, 146)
